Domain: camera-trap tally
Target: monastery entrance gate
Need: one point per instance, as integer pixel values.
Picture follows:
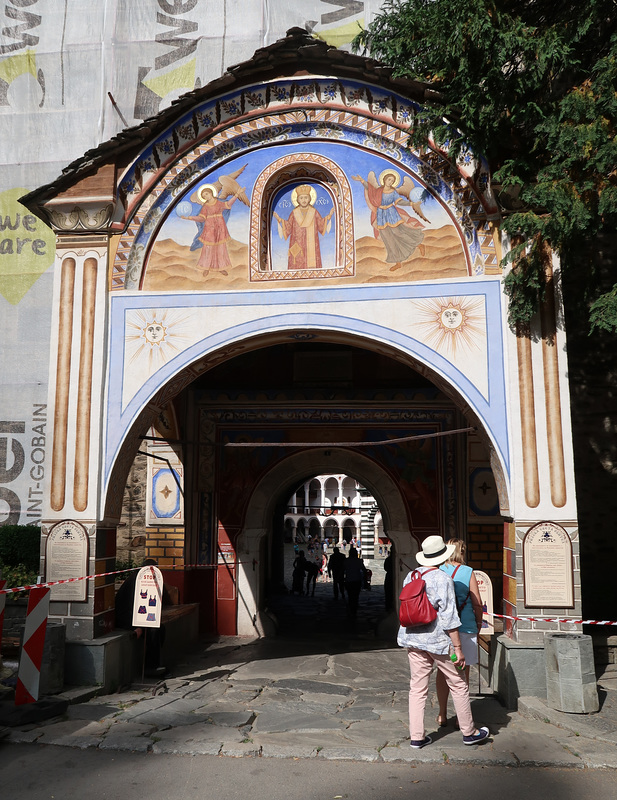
(279, 211)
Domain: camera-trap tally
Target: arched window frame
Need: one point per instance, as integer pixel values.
(309, 168)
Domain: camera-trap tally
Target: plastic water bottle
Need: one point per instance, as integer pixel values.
(453, 658)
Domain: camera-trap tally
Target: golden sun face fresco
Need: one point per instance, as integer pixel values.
(453, 324)
(155, 337)
(154, 332)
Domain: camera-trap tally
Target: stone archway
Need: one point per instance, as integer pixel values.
(278, 483)
(126, 425)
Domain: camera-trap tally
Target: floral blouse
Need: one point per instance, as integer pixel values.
(433, 637)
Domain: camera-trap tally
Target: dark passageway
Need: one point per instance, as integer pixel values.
(320, 616)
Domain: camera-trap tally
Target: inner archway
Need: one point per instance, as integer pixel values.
(345, 528)
(259, 538)
(307, 393)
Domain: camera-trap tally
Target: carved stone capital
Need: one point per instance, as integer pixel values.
(90, 217)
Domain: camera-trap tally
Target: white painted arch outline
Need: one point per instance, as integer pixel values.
(491, 416)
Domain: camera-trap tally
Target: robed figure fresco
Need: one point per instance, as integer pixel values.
(400, 232)
(303, 227)
(212, 233)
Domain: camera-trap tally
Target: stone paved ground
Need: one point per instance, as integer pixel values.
(287, 698)
(323, 689)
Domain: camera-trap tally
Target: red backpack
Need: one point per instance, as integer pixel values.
(415, 608)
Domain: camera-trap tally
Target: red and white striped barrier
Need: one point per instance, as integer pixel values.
(29, 674)
(64, 580)
(4, 591)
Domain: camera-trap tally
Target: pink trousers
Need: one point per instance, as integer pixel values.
(420, 666)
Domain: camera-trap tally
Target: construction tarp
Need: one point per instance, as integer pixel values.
(72, 74)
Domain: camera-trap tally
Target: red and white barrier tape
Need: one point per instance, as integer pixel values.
(554, 619)
(212, 566)
(115, 572)
(64, 580)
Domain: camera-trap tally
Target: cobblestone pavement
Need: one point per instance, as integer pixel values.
(324, 689)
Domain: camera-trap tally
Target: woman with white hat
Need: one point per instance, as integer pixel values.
(431, 644)
(469, 606)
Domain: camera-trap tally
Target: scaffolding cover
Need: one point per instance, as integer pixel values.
(73, 73)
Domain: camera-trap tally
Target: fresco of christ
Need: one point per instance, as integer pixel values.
(302, 228)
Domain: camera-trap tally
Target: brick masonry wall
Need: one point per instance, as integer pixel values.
(166, 545)
(137, 541)
(485, 552)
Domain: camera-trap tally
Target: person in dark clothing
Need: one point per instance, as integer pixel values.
(388, 565)
(368, 575)
(354, 580)
(154, 637)
(336, 570)
(297, 576)
(312, 571)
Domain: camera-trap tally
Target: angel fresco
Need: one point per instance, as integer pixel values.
(401, 233)
(302, 227)
(212, 233)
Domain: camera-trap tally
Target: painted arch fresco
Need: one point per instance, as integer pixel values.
(281, 217)
(252, 215)
(343, 149)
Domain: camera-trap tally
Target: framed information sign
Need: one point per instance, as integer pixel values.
(66, 556)
(486, 595)
(548, 573)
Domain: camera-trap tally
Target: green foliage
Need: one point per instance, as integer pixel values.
(19, 556)
(603, 314)
(18, 575)
(20, 545)
(124, 563)
(531, 84)
(525, 284)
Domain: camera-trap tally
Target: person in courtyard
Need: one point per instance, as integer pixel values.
(354, 580)
(297, 576)
(368, 575)
(336, 570)
(312, 571)
(430, 645)
(469, 607)
(388, 588)
(323, 570)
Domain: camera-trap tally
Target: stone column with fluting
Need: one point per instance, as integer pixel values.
(76, 387)
(542, 465)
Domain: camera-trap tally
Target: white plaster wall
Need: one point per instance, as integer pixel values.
(545, 510)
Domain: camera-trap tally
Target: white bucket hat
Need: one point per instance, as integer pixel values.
(434, 552)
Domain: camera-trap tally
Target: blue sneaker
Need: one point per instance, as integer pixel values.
(417, 745)
(476, 738)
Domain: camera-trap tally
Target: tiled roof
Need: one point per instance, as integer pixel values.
(297, 54)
